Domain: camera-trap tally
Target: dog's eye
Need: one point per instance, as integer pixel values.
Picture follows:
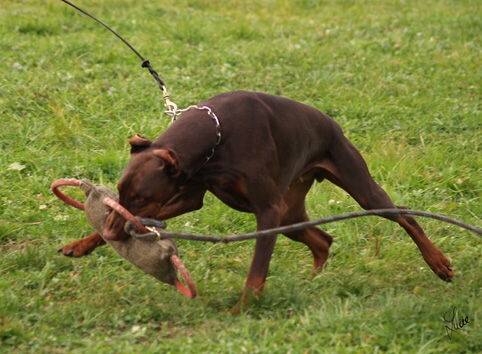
(139, 200)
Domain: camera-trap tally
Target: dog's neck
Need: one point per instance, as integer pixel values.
(194, 137)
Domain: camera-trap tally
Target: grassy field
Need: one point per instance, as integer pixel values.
(404, 80)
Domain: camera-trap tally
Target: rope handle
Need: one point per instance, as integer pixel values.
(190, 292)
(66, 199)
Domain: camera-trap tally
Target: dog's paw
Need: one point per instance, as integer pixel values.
(440, 265)
(81, 247)
(74, 249)
(235, 310)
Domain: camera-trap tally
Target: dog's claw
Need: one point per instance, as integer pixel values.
(69, 253)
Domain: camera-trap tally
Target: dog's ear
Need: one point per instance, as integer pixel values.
(171, 161)
(139, 143)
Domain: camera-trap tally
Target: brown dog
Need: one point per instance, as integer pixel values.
(270, 152)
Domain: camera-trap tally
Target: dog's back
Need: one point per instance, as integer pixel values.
(260, 133)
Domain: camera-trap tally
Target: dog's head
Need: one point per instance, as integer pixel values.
(148, 182)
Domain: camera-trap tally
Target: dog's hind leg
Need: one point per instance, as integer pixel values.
(318, 241)
(346, 168)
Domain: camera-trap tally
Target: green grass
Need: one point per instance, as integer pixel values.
(403, 78)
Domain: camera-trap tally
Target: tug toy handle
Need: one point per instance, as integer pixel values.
(67, 182)
(190, 292)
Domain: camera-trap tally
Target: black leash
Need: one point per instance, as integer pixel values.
(157, 233)
(145, 63)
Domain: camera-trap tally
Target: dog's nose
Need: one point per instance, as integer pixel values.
(109, 234)
(113, 235)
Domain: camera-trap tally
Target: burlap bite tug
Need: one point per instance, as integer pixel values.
(152, 257)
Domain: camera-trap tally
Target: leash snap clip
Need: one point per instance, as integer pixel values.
(155, 231)
(171, 106)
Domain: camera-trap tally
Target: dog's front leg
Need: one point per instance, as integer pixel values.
(263, 251)
(83, 246)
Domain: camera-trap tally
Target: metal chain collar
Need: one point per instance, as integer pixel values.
(174, 113)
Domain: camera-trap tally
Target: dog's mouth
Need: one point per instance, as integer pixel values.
(114, 227)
